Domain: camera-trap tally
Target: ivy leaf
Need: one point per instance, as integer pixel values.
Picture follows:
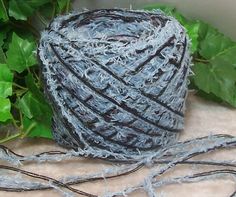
(2, 57)
(209, 96)
(34, 89)
(6, 78)
(214, 43)
(193, 32)
(218, 76)
(5, 74)
(39, 130)
(20, 54)
(62, 4)
(31, 106)
(3, 35)
(3, 12)
(167, 9)
(25, 104)
(5, 109)
(3, 38)
(37, 112)
(21, 9)
(46, 11)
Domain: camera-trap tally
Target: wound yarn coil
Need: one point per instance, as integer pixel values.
(116, 80)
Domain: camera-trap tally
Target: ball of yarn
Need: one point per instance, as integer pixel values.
(116, 79)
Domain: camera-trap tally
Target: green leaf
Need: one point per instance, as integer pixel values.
(203, 29)
(218, 76)
(214, 43)
(3, 35)
(3, 12)
(34, 89)
(209, 96)
(47, 11)
(5, 110)
(62, 5)
(25, 105)
(39, 130)
(21, 9)
(6, 78)
(193, 30)
(5, 74)
(167, 9)
(32, 107)
(2, 57)
(226, 58)
(7, 39)
(5, 89)
(20, 54)
(38, 113)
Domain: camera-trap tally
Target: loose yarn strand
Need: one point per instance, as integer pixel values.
(215, 142)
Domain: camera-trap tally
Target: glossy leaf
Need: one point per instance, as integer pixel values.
(168, 9)
(218, 76)
(39, 130)
(34, 89)
(21, 9)
(38, 112)
(62, 4)
(21, 54)
(2, 57)
(192, 30)
(25, 105)
(5, 109)
(32, 107)
(3, 12)
(214, 43)
(6, 77)
(3, 32)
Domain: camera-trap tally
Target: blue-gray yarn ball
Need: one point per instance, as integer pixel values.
(116, 79)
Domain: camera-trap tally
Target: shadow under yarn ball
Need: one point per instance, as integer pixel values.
(116, 79)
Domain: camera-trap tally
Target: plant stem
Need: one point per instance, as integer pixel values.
(19, 86)
(15, 124)
(21, 120)
(201, 60)
(20, 134)
(35, 74)
(11, 137)
(28, 130)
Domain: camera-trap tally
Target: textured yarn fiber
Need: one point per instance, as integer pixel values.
(117, 83)
(116, 79)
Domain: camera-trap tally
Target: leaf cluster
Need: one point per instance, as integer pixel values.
(22, 103)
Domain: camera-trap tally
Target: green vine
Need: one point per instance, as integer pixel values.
(22, 103)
